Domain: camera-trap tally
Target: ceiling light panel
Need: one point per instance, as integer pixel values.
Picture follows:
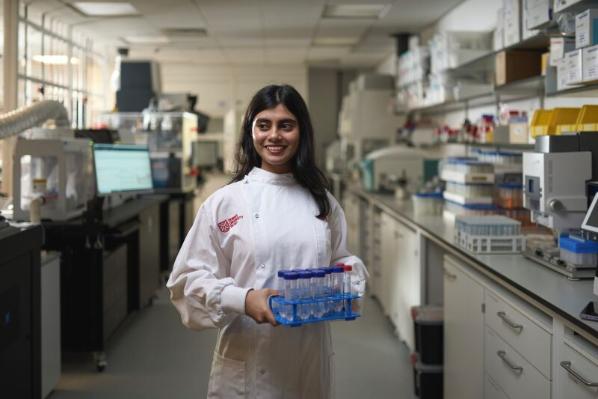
(102, 9)
(146, 39)
(355, 11)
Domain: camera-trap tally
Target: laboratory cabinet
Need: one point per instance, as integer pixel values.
(463, 333)
(400, 275)
(577, 374)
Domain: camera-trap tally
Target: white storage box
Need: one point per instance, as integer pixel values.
(586, 28)
(574, 64)
(590, 63)
(427, 203)
(536, 13)
(512, 22)
(579, 252)
(499, 31)
(559, 46)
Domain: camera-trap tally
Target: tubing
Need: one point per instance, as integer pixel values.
(17, 121)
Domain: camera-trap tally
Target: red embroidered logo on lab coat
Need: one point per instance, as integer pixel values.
(229, 223)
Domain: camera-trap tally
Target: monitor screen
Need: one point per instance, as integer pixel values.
(590, 221)
(122, 168)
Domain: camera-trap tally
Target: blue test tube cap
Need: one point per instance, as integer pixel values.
(337, 269)
(291, 275)
(305, 274)
(282, 273)
(327, 270)
(318, 273)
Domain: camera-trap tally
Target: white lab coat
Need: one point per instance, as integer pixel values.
(242, 235)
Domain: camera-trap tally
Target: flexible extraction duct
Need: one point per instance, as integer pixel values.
(17, 121)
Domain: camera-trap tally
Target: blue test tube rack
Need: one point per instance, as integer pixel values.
(277, 302)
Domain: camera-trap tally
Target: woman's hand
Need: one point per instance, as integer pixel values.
(256, 305)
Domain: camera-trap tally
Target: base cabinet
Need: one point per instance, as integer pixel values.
(463, 334)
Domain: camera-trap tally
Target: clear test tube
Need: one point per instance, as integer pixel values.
(282, 285)
(290, 291)
(337, 287)
(320, 292)
(347, 288)
(304, 284)
(328, 305)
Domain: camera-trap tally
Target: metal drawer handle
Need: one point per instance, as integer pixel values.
(577, 376)
(514, 326)
(516, 369)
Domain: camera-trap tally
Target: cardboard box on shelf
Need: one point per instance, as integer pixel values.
(536, 13)
(586, 28)
(512, 22)
(558, 47)
(544, 68)
(561, 75)
(589, 57)
(515, 65)
(573, 64)
(499, 32)
(513, 133)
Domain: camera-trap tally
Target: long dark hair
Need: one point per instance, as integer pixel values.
(303, 164)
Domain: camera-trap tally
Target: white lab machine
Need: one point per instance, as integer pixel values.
(51, 175)
(392, 164)
(366, 119)
(555, 187)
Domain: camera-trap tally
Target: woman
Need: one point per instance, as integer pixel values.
(276, 214)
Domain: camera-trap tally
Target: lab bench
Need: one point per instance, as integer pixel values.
(110, 266)
(512, 327)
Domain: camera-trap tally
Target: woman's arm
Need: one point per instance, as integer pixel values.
(340, 253)
(200, 284)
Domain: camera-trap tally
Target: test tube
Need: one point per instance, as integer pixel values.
(282, 284)
(320, 292)
(347, 289)
(337, 287)
(290, 292)
(328, 305)
(304, 280)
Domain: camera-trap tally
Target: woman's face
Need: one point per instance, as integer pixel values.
(275, 134)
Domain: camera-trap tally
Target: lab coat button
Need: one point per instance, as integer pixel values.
(257, 215)
(262, 266)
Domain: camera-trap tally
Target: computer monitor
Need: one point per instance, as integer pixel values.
(122, 168)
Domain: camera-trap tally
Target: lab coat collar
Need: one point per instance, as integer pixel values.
(263, 176)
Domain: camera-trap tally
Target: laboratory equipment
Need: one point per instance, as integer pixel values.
(489, 234)
(169, 136)
(140, 82)
(392, 163)
(463, 193)
(366, 122)
(578, 251)
(315, 295)
(589, 229)
(555, 178)
(122, 168)
(554, 187)
(51, 175)
(428, 203)
(204, 153)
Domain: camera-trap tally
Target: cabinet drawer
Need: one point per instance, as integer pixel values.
(525, 335)
(492, 390)
(577, 370)
(511, 372)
